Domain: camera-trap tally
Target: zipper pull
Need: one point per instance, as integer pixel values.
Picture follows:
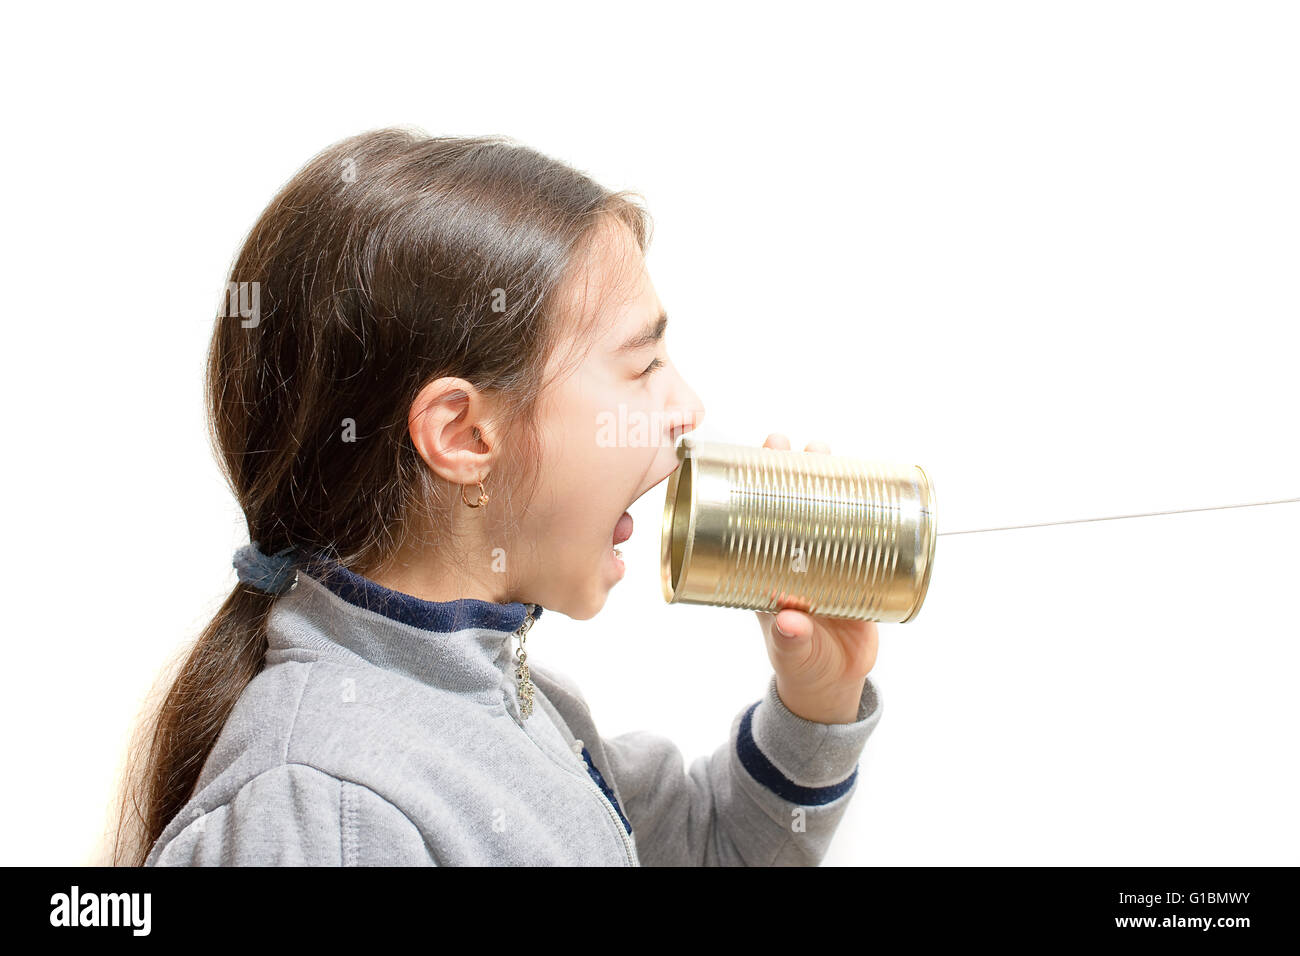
(522, 676)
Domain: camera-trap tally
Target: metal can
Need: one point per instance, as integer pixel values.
(768, 529)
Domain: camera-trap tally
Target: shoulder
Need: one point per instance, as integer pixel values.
(338, 717)
(320, 746)
(292, 815)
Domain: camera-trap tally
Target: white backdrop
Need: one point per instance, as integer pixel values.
(1048, 251)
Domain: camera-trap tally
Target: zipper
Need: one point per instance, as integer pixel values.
(522, 677)
(613, 815)
(526, 688)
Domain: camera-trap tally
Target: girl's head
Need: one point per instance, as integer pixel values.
(408, 316)
(435, 312)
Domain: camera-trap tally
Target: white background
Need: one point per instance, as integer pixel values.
(1046, 250)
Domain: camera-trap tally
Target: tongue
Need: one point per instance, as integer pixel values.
(623, 530)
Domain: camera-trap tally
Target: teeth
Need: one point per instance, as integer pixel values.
(618, 553)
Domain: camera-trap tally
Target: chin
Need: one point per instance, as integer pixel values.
(587, 613)
(585, 609)
(588, 604)
(585, 601)
(594, 603)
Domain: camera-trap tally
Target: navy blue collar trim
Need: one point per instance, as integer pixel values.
(442, 616)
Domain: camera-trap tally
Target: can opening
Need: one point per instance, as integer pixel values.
(679, 520)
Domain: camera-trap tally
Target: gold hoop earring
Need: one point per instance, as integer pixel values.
(482, 495)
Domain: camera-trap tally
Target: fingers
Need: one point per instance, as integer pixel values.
(782, 443)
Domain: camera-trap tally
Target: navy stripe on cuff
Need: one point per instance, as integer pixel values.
(766, 773)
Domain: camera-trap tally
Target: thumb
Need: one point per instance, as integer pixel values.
(791, 630)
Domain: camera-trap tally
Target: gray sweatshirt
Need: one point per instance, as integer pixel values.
(386, 730)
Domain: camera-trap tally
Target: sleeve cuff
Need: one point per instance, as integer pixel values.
(800, 760)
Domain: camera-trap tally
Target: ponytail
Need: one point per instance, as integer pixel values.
(229, 653)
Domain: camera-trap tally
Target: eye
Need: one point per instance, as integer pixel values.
(652, 367)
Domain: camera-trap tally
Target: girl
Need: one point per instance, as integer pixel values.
(422, 336)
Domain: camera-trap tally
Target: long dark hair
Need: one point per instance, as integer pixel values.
(391, 259)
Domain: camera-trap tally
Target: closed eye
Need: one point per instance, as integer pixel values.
(652, 367)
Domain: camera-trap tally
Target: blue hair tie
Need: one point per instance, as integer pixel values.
(272, 573)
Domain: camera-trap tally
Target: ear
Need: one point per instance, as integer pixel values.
(451, 429)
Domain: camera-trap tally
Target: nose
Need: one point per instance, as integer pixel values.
(689, 413)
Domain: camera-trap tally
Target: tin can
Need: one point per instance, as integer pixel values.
(768, 529)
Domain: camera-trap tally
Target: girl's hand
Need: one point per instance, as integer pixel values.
(822, 665)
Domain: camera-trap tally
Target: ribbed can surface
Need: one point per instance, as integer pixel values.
(766, 529)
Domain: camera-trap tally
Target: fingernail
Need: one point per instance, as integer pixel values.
(783, 631)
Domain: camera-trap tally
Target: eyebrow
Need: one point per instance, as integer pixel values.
(651, 334)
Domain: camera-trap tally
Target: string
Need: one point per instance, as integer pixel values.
(1149, 514)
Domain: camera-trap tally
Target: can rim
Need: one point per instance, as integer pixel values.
(933, 499)
(686, 460)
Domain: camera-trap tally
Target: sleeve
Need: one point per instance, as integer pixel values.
(296, 815)
(772, 795)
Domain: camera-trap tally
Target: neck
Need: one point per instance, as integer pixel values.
(417, 574)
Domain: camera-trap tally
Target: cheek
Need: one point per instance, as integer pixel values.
(568, 505)
(587, 476)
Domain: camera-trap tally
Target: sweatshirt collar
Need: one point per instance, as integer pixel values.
(464, 646)
(441, 616)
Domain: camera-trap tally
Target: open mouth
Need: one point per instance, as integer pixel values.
(623, 527)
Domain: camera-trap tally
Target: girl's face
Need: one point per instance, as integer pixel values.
(608, 432)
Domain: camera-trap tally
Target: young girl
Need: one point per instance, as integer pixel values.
(405, 390)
